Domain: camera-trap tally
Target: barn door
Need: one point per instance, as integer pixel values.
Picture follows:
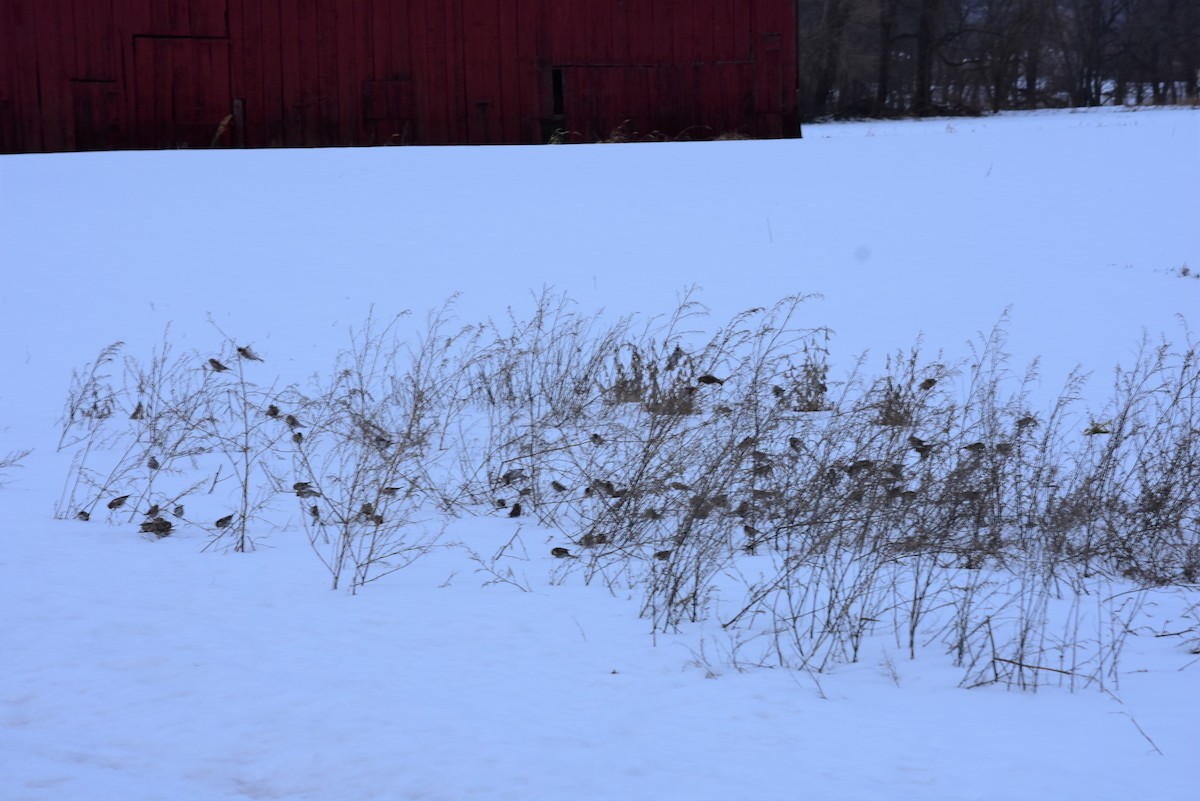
(182, 92)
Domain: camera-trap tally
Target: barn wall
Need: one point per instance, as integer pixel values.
(105, 74)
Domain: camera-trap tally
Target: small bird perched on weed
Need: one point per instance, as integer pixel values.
(247, 353)
(117, 503)
(561, 553)
(217, 366)
(224, 521)
(710, 379)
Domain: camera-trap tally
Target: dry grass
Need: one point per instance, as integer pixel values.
(731, 476)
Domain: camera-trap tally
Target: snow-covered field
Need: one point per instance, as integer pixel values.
(132, 669)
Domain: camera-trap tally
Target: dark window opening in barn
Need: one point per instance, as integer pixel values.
(556, 80)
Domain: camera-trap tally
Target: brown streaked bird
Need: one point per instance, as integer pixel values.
(156, 526)
(662, 555)
(224, 521)
(139, 412)
(298, 437)
(217, 366)
(292, 421)
(561, 553)
(178, 510)
(710, 379)
(152, 511)
(246, 352)
(83, 515)
(272, 411)
(117, 503)
(515, 511)
(928, 383)
(152, 463)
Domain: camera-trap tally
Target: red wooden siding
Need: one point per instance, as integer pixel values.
(110, 74)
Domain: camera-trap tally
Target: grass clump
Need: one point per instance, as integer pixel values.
(731, 478)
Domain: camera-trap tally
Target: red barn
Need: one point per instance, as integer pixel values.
(116, 74)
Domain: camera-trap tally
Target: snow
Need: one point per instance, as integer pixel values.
(149, 670)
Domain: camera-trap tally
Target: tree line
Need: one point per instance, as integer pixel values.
(891, 57)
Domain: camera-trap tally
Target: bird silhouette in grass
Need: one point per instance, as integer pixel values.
(246, 352)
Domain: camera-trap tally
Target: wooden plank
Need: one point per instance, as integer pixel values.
(328, 97)
(677, 32)
(509, 110)
(274, 106)
(455, 71)
(527, 72)
(55, 57)
(619, 51)
(560, 34)
(97, 115)
(292, 91)
(169, 18)
(195, 98)
(19, 62)
(743, 28)
(308, 77)
(476, 41)
(640, 16)
(429, 125)
(95, 41)
(208, 18)
(248, 77)
(353, 61)
(152, 74)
